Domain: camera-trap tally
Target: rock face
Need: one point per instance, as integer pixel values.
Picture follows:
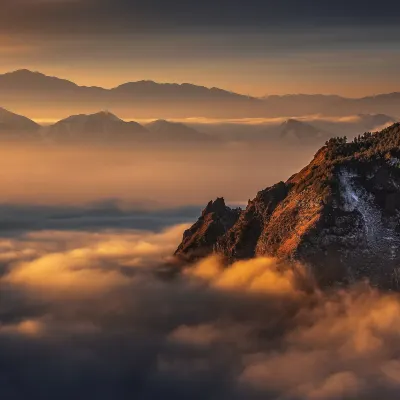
(216, 220)
(340, 216)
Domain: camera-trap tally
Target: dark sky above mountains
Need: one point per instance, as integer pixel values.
(133, 15)
(255, 47)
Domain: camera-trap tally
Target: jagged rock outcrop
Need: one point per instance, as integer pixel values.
(215, 220)
(340, 215)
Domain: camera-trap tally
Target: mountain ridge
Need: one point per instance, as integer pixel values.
(28, 90)
(39, 76)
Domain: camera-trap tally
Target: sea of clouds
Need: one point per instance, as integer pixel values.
(106, 314)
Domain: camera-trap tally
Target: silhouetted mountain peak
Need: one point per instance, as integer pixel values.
(100, 126)
(24, 79)
(217, 206)
(104, 116)
(24, 73)
(299, 130)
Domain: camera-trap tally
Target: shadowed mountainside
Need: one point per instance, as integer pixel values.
(339, 215)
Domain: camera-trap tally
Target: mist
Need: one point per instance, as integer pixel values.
(145, 176)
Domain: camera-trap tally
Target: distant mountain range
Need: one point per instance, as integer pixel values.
(305, 130)
(35, 92)
(106, 127)
(101, 127)
(318, 131)
(42, 95)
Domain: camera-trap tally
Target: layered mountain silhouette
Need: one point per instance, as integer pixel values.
(35, 91)
(99, 127)
(106, 127)
(149, 99)
(339, 216)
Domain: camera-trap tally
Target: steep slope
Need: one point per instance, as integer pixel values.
(100, 127)
(14, 126)
(339, 215)
(10, 121)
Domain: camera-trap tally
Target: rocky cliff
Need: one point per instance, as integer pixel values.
(215, 220)
(340, 215)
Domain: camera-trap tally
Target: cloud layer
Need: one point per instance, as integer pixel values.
(99, 315)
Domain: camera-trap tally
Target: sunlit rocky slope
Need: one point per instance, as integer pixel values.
(339, 215)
